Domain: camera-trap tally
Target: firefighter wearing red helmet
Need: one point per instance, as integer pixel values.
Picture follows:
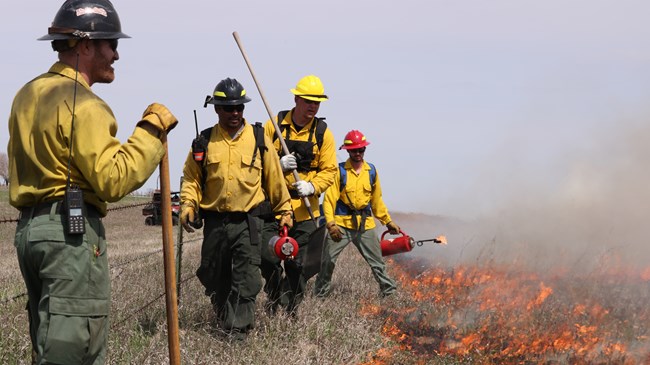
(65, 164)
(354, 140)
(312, 153)
(349, 207)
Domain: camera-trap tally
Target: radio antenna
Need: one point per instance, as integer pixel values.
(196, 123)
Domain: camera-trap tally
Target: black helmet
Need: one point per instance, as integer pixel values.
(92, 19)
(227, 92)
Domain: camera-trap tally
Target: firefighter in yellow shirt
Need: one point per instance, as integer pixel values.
(64, 165)
(229, 188)
(349, 207)
(313, 154)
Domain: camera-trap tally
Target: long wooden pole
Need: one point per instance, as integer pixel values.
(275, 124)
(168, 258)
(179, 255)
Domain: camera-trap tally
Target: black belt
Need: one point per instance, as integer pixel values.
(236, 217)
(229, 216)
(46, 208)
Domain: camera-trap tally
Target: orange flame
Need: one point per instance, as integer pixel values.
(502, 315)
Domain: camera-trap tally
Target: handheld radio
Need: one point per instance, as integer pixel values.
(74, 210)
(199, 145)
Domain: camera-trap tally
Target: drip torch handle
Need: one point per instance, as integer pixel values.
(385, 232)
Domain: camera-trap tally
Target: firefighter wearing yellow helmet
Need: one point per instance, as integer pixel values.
(65, 164)
(313, 154)
(350, 206)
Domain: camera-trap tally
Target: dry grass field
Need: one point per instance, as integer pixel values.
(330, 331)
(481, 312)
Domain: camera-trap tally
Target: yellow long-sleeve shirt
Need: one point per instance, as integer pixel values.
(324, 165)
(357, 194)
(40, 142)
(233, 183)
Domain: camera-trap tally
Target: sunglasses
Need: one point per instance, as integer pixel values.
(113, 44)
(358, 150)
(232, 108)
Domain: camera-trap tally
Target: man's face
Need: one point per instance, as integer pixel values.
(230, 116)
(105, 53)
(356, 155)
(306, 109)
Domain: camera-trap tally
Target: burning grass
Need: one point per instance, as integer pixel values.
(507, 315)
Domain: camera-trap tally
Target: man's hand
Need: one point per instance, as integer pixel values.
(288, 163)
(304, 188)
(334, 231)
(286, 219)
(393, 228)
(187, 216)
(160, 117)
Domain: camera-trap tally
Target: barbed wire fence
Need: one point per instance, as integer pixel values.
(120, 265)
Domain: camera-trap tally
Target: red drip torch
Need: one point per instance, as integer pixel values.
(282, 245)
(404, 243)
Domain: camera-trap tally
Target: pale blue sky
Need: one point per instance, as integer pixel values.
(468, 105)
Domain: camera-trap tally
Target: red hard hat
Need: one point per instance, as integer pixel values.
(353, 140)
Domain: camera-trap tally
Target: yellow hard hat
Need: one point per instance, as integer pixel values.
(311, 88)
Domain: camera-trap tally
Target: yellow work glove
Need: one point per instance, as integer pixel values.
(160, 117)
(393, 228)
(187, 216)
(286, 219)
(334, 231)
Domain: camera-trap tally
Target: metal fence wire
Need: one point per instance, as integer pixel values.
(11, 298)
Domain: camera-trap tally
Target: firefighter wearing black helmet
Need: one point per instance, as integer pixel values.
(229, 187)
(63, 153)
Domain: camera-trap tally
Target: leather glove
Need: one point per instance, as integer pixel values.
(393, 228)
(288, 163)
(334, 231)
(304, 188)
(160, 117)
(187, 216)
(286, 219)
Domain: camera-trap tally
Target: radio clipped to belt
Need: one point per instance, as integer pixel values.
(74, 210)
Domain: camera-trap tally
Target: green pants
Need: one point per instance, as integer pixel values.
(230, 270)
(368, 245)
(68, 287)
